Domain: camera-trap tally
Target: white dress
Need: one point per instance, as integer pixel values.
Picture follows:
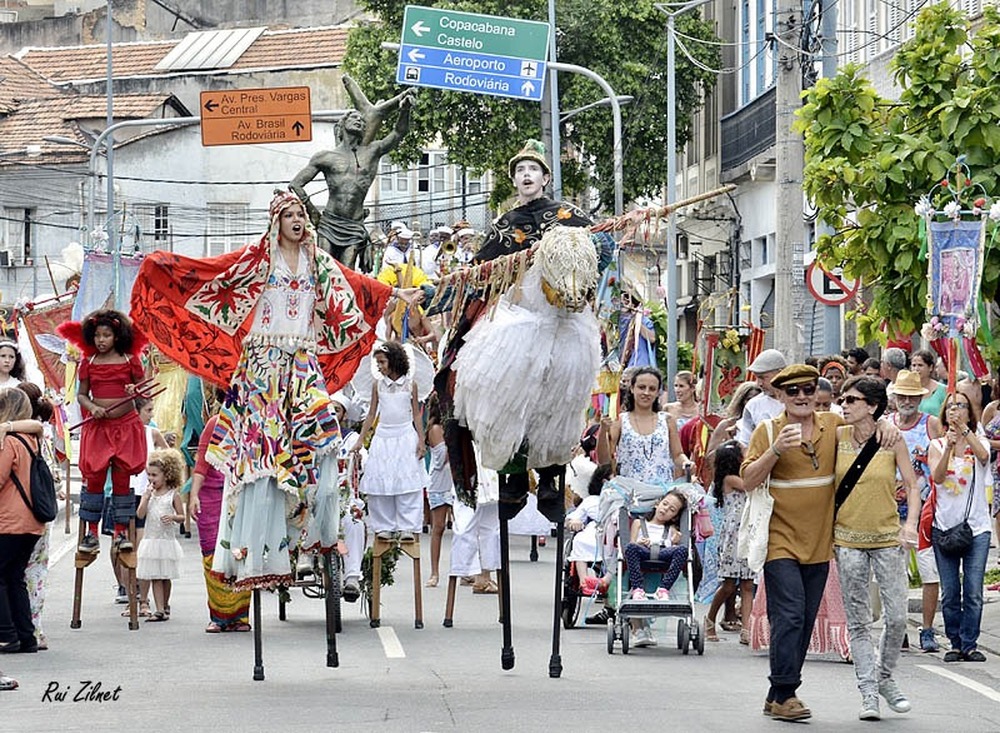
(159, 555)
(525, 373)
(392, 467)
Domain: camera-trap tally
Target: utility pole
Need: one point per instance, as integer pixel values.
(789, 274)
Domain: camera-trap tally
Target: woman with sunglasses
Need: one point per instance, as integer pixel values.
(867, 539)
(959, 464)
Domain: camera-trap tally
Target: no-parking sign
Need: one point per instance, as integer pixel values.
(830, 287)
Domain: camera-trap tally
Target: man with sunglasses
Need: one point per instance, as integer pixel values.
(800, 463)
(918, 430)
(765, 405)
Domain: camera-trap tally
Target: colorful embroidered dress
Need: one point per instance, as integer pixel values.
(281, 339)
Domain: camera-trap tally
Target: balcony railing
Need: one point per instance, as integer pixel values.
(748, 131)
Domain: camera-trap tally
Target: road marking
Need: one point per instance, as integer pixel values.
(61, 551)
(983, 690)
(390, 643)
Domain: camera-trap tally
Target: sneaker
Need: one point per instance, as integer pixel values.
(662, 594)
(89, 544)
(600, 618)
(974, 656)
(123, 544)
(352, 589)
(869, 708)
(407, 538)
(122, 596)
(888, 689)
(588, 585)
(643, 637)
(304, 565)
(927, 641)
(385, 535)
(790, 709)
(953, 655)
(638, 594)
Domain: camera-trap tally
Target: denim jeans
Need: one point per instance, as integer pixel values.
(962, 597)
(794, 592)
(855, 569)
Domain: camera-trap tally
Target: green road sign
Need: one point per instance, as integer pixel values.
(472, 32)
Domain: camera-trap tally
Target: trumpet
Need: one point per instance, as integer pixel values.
(449, 247)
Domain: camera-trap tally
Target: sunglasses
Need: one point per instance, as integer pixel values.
(793, 390)
(958, 406)
(851, 399)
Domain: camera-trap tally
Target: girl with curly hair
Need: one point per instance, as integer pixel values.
(161, 507)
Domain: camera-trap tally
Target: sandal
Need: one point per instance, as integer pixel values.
(166, 611)
(488, 588)
(213, 628)
(432, 582)
(731, 625)
(158, 616)
(143, 610)
(710, 633)
(745, 637)
(239, 626)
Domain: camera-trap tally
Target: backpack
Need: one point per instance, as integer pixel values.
(43, 502)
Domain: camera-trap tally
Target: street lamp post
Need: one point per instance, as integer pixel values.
(672, 11)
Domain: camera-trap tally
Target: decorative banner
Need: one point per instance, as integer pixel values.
(8, 321)
(50, 349)
(97, 283)
(727, 357)
(956, 270)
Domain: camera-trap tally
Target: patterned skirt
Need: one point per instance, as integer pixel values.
(275, 428)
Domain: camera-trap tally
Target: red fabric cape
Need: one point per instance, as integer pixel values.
(167, 281)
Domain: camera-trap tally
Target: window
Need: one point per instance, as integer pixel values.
(745, 52)
(438, 178)
(227, 228)
(17, 238)
(761, 61)
(423, 174)
(154, 226)
(402, 180)
(473, 184)
(385, 177)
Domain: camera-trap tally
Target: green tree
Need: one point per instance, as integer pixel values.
(869, 159)
(623, 42)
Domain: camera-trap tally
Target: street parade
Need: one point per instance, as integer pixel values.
(377, 403)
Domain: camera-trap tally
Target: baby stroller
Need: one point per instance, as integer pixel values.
(622, 501)
(574, 595)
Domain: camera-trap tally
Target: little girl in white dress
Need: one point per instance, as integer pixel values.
(159, 554)
(394, 478)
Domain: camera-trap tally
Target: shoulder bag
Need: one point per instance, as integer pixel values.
(854, 473)
(956, 541)
(751, 543)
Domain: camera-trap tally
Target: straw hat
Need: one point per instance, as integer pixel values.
(532, 150)
(908, 383)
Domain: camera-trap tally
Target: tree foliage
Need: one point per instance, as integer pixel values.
(869, 159)
(625, 43)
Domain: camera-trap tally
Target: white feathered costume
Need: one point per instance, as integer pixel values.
(527, 370)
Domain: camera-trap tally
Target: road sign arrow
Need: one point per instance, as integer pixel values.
(527, 88)
(419, 28)
(298, 128)
(211, 105)
(414, 55)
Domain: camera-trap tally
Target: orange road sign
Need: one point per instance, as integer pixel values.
(254, 116)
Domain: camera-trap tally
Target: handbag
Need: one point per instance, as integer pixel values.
(755, 522)
(956, 541)
(703, 524)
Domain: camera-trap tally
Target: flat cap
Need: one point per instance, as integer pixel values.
(795, 374)
(769, 360)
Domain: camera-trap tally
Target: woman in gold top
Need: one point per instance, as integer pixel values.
(867, 539)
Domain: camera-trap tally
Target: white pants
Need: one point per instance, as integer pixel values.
(397, 513)
(475, 542)
(354, 538)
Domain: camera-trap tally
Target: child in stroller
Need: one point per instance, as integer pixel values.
(659, 533)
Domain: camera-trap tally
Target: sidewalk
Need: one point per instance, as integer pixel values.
(989, 635)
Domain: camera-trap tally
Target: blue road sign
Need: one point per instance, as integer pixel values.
(501, 76)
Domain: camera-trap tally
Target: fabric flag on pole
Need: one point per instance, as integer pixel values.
(49, 349)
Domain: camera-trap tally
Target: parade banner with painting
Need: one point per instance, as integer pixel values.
(954, 217)
(726, 355)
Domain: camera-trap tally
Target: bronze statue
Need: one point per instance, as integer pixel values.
(349, 170)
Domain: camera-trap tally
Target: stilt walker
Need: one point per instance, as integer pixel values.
(282, 324)
(112, 439)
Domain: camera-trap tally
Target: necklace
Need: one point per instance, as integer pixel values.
(859, 440)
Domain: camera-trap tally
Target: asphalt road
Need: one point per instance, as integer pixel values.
(173, 676)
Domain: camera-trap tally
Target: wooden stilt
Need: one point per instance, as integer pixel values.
(503, 580)
(449, 607)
